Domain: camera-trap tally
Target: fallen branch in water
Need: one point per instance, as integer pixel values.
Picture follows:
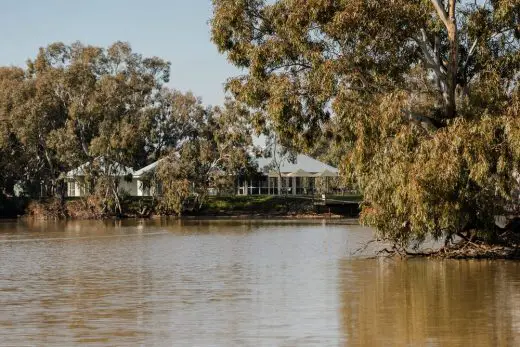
(507, 246)
(364, 247)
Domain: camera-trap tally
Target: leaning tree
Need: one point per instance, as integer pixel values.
(423, 93)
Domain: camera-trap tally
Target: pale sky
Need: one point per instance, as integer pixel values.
(175, 30)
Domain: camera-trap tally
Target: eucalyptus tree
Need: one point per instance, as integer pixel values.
(12, 155)
(107, 94)
(31, 112)
(74, 103)
(423, 93)
(176, 119)
(279, 155)
(230, 132)
(213, 156)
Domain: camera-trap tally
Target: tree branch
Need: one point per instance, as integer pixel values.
(423, 121)
(432, 61)
(470, 53)
(439, 7)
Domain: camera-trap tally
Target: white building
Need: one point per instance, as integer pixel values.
(77, 183)
(292, 174)
(284, 174)
(142, 178)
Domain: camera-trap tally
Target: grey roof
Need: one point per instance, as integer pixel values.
(120, 169)
(147, 168)
(303, 162)
(152, 166)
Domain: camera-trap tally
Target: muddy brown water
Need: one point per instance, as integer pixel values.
(241, 283)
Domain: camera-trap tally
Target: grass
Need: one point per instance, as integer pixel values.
(258, 204)
(252, 205)
(350, 197)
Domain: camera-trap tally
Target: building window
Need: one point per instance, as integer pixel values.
(82, 190)
(71, 188)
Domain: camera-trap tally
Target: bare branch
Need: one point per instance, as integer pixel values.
(433, 62)
(470, 53)
(439, 7)
(431, 55)
(423, 121)
(429, 60)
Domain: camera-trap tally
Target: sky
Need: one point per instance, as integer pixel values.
(175, 30)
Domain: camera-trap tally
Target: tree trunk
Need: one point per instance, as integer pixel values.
(60, 193)
(451, 25)
(119, 210)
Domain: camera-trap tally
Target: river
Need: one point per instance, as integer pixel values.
(241, 283)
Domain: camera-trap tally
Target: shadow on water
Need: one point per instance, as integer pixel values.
(422, 302)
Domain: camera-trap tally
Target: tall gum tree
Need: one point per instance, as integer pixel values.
(12, 155)
(74, 103)
(216, 150)
(423, 94)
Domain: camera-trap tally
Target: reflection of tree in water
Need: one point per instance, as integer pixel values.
(424, 302)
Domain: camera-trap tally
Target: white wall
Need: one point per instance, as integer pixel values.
(74, 188)
(128, 187)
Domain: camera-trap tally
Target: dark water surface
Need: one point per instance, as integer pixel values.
(241, 283)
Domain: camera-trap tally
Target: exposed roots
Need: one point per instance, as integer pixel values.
(506, 246)
(477, 249)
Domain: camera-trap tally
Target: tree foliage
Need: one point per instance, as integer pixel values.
(109, 108)
(421, 96)
(73, 103)
(214, 156)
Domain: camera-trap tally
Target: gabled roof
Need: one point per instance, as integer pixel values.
(327, 173)
(118, 169)
(302, 162)
(152, 166)
(147, 168)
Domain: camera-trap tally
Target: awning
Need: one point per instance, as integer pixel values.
(300, 173)
(326, 173)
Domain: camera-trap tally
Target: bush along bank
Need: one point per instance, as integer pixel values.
(213, 206)
(277, 206)
(12, 207)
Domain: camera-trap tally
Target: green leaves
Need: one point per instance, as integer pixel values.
(75, 102)
(212, 156)
(421, 96)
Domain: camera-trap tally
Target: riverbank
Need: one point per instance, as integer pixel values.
(13, 207)
(269, 208)
(503, 245)
(273, 206)
(258, 206)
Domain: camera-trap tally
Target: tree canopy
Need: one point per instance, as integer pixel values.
(76, 104)
(216, 154)
(421, 97)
